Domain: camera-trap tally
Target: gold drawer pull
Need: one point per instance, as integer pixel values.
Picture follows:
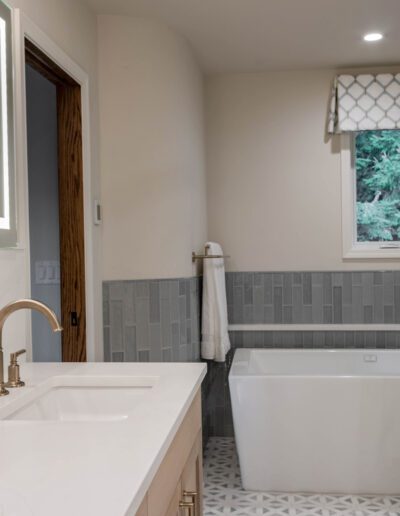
(189, 506)
(193, 496)
(190, 494)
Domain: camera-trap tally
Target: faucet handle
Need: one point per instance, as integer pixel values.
(14, 379)
(14, 356)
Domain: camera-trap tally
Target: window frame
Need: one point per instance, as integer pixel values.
(8, 223)
(353, 250)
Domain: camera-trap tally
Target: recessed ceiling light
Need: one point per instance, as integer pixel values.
(373, 36)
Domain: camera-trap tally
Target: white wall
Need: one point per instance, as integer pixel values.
(74, 28)
(152, 150)
(273, 179)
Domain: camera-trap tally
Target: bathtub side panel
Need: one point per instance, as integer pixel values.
(318, 434)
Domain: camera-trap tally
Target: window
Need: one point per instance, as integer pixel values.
(8, 236)
(371, 194)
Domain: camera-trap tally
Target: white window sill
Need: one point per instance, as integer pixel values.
(374, 252)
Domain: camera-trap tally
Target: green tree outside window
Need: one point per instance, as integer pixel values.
(378, 185)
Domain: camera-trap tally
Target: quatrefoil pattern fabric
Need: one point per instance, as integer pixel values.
(364, 103)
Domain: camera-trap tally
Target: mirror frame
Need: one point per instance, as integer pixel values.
(8, 218)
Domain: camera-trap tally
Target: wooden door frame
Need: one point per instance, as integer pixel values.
(70, 202)
(24, 29)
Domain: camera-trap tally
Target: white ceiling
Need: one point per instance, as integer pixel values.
(253, 35)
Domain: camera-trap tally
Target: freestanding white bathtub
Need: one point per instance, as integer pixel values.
(317, 421)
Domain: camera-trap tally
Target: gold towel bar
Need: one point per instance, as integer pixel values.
(206, 255)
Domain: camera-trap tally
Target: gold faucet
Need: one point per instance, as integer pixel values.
(20, 305)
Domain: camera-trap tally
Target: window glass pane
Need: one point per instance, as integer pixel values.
(377, 163)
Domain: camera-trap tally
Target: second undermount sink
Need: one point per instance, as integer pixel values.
(86, 399)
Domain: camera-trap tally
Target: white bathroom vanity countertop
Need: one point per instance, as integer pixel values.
(90, 468)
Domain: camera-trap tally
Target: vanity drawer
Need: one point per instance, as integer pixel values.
(143, 510)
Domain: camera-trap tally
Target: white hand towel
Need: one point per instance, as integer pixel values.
(215, 339)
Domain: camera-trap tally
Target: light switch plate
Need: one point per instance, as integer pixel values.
(47, 272)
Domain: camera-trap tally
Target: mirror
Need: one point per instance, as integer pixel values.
(8, 233)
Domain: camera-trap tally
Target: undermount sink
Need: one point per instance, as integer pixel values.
(86, 399)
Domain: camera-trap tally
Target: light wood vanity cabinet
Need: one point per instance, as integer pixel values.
(180, 476)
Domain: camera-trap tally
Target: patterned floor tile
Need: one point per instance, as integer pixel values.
(223, 493)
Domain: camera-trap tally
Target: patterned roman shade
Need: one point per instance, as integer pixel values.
(364, 103)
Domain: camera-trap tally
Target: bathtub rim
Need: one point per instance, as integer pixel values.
(239, 366)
